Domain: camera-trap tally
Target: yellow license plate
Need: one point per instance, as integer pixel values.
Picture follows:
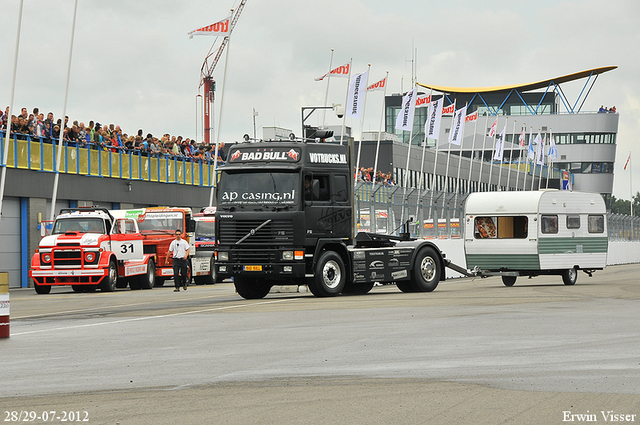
(252, 268)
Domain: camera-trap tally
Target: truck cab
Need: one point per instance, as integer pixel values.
(204, 271)
(285, 215)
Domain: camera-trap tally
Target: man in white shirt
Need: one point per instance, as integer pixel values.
(179, 251)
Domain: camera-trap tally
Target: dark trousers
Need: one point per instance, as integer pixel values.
(179, 272)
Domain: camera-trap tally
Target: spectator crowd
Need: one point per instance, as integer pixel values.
(100, 137)
(366, 175)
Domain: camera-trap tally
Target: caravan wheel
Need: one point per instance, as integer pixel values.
(570, 276)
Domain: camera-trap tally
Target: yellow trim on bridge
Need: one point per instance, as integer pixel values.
(521, 87)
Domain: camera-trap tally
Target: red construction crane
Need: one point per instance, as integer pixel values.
(206, 72)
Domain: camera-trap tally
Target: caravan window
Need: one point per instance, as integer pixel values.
(549, 224)
(513, 227)
(573, 221)
(596, 224)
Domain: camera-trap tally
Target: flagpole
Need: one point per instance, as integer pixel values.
(7, 133)
(326, 94)
(424, 149)
(215, 156)
(406, 171)
(56, 177)
(344, 117)
(504, 139)
(519, 160)
(460, 157)
(364, 105)
(542, 165)
(549, 159)
(446, 170)
(631, 183)
(533, 163)
(493, 152)
(484, 142)
(375, 163)
(473, 145)
(513, 137)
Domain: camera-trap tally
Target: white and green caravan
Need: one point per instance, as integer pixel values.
(531, 233)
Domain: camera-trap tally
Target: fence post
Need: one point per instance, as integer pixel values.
(4, 305)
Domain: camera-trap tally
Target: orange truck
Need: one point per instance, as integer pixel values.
(88, 249)
(157, 226)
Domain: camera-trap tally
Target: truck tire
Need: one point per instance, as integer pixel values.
(77, 288)
(109, 283)
(570, 276)
(426, 270)
(509, 280)
(251, 289)
(329, 277)
(357, 288)
(42, 289)
(405, 286)
(148, 280)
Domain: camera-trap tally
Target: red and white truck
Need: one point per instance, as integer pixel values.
(158, 226)
(89, 249)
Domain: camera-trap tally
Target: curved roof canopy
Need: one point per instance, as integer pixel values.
(522, 87)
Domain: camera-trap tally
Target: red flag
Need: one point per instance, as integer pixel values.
(627, 163)
(493, 128)
(522, 139)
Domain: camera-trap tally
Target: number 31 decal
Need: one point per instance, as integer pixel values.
(126, 247)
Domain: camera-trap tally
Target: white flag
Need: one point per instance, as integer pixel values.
(522, 139)
(540, 151)
(378, 86)
(405, 117)
(432, 125)
(500, 145)
(530, 152)
(341, 71)
(471, 117)
(219, 28)
(423, 100)
(553, 151)
(492, 132)
(457, 129)
(355, 99)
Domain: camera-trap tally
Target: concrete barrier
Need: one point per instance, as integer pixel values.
(4, 305)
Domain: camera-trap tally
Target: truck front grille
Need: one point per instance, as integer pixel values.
(252, 257)
(276, 233)
(67, 258)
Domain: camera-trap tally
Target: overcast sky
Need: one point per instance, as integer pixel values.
(134, 65)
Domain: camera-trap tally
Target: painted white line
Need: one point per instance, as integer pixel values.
(55, 313)
(136, 319)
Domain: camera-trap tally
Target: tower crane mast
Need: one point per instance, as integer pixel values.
(206, 73)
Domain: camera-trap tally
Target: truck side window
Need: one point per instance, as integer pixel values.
(549, 224)
(596, 224)
(340, 189)
(573, 221)
(324, 187)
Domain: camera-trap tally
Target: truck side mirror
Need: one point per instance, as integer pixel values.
(191, 225)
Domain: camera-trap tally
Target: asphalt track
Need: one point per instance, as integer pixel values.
(471, 352)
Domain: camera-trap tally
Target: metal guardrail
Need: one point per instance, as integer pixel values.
(39, 155)
(623, 227)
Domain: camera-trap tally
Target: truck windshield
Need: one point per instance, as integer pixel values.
(262, 188)
(205, 230)
(78, 224)
(167, 221)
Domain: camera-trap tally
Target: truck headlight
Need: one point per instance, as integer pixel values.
(287, 255)
(89, 257)
(46, 258)
(223, 256)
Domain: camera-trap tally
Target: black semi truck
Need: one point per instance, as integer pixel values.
(285, 217)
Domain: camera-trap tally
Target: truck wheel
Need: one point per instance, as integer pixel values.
(251, 289)
(109, 283)
(357, 288)
(329, 277)
(509, 280)
(148, 280)
(42, 289)
(405, 286)
(426, 271)
(570, 276)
